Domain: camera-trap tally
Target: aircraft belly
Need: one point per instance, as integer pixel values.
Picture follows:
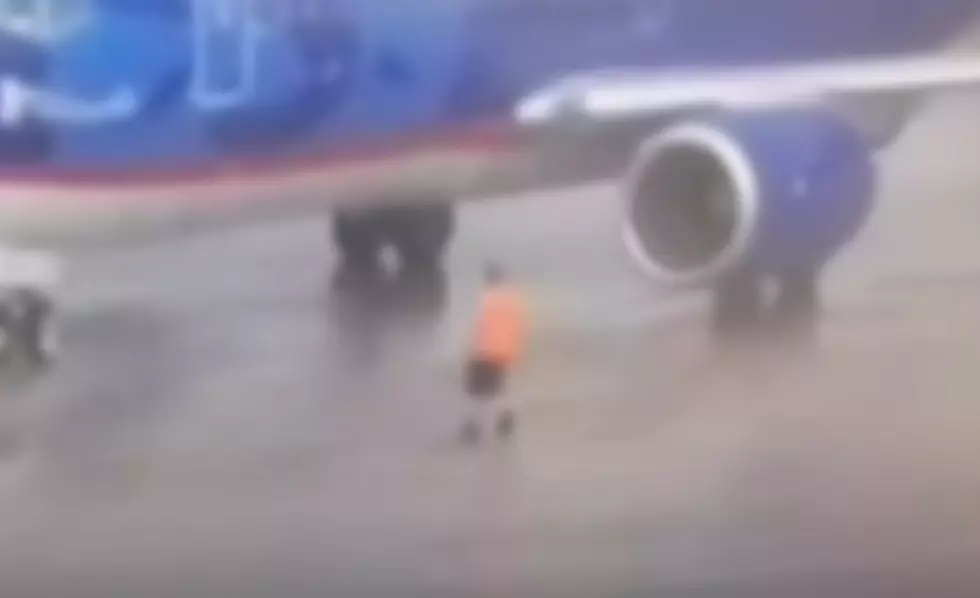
(64, 214)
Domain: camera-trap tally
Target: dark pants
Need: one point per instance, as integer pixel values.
(485, 379)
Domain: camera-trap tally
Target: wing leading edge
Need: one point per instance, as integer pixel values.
(615, 95)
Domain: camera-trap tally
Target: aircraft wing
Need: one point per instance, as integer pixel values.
(626, 94)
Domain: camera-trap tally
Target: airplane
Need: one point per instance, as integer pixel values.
(743, 133)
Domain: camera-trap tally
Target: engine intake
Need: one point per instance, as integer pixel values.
(767, 191)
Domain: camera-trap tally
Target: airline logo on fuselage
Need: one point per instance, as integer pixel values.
(20, 101)
(41, 24)
(228, 35)
(44, 21)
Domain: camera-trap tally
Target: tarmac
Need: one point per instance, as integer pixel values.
(231, 418)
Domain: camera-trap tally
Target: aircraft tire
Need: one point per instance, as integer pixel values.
(421, 235)
(358, 238)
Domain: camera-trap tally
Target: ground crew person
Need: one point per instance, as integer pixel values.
(496, 345)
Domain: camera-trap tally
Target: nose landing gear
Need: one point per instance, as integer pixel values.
(27, 327)
(28, 333)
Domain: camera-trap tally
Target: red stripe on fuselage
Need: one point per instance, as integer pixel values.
(485, 138)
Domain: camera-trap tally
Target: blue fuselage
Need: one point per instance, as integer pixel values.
(212, 81)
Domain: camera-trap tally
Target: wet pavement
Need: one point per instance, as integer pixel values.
(231, 418)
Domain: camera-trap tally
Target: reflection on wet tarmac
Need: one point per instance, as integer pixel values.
(368, 309)
(107, 418)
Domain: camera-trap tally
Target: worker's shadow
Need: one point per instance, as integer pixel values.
(372, 312)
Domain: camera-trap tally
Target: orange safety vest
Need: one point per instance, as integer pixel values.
(499, 336)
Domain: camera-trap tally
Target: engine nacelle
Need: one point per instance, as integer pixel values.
(773, 191)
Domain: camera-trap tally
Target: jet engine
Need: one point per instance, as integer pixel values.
(770, 191)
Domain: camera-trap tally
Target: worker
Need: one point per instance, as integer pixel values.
(496, 345)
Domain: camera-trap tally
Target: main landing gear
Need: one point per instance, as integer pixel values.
(419, 235)
(784, 307)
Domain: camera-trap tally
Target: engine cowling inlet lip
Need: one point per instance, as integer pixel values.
(736, 163)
